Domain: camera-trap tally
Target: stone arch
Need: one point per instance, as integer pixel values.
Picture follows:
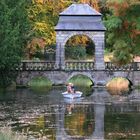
(81, 73)
(74, 34)
(89, 35)
(25, 77)
(129, 80)
(97, 38)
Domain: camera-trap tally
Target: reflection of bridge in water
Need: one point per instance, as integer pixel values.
(98, 133)
(97, 105)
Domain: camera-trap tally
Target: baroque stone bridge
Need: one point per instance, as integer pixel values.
(30, 69)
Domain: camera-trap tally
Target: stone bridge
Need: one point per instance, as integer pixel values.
(78, 19)
(31, 69)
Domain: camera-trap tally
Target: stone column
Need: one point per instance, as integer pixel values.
(62, 56)
(99, 51)
(57, 56)
(60, 50)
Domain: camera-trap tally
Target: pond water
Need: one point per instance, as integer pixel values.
(50, 116)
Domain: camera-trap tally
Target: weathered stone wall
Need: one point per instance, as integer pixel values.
(61, 77)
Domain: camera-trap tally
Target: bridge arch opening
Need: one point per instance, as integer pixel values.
(119, 85)
(79, 47)
(39, 81)
(81, 80)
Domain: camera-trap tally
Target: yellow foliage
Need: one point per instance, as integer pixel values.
(41, 121)
(78, 40)
(118, 86)
(31, 47)
(39, 1)
(93, 3)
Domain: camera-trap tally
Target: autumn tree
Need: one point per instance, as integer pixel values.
(92, 3)
(123, 25)
(43, 15)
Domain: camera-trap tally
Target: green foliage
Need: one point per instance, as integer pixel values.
(90, 48)
(40, 85)
(123, 30)
(75, 52)
(50, 52)
(80, 41)
(44, 17)
(81, 80)
(39, 82)
(113, 22)
(13, 37)
(122, 53)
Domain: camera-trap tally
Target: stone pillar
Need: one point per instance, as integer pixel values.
(57, 56)
(99, 51)
(62, 56)
(60, 50)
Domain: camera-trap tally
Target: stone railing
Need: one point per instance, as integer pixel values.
(36, 65)
(73, 66)
(132, 66)
(79, 65)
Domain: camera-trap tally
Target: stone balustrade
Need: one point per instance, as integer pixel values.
(36, 66)
(74, 66)
(132, 66)
(79, 65)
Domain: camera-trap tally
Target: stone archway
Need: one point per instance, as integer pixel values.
(96, 37)
(80, 19)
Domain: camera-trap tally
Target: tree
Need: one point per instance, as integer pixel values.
(123, 25)
(43, 15)
(92, 3)
(13, 36)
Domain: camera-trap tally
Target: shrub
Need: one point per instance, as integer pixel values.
(75, 52)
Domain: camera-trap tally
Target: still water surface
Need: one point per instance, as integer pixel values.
(50, 116)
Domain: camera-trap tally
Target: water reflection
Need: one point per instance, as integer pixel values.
(50, 116)
(97, 118)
